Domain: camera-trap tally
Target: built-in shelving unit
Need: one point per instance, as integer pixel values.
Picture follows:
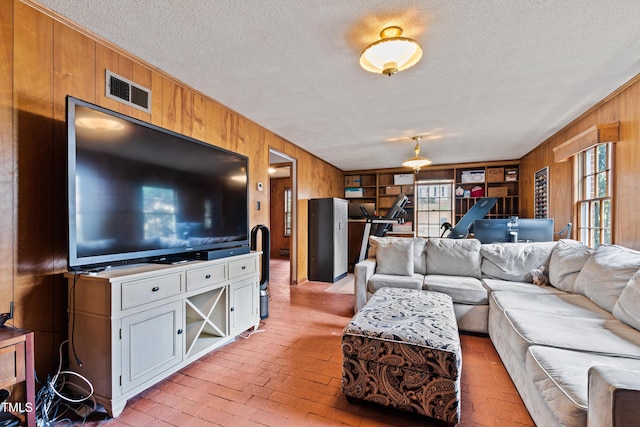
(472, 181)
(362, 187)
(381, 188)
(476, 182)
(390, 185)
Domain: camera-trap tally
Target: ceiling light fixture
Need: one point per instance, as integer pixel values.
(417, 162)
(99, 123)
(390, 54)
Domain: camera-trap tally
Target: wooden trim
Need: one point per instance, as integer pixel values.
(596, 134)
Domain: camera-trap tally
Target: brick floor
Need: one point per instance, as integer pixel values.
(289, 374)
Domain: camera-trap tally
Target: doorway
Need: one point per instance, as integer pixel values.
(282, 206)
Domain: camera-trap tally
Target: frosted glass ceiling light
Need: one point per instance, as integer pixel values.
(391, 53)
(417, 162)
(99, 123)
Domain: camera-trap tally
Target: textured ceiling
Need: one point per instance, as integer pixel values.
(496, 78)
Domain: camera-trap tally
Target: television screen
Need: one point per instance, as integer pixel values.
(491, 230)
(526, 230)
(140, 192)
(535, 230)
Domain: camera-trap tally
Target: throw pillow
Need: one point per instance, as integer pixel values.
(395, 257)
(420, 255)
(419, 248)
(606, 273)
(567, 259)
(627, 308)
(454, 257)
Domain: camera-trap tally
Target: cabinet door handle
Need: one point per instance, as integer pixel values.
(155, 289)
(180, 331)
(231, 309)
(208, 276)
(244, 267)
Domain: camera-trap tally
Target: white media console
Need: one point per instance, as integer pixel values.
(132, 327)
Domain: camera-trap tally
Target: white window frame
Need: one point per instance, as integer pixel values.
(594, 207)
(442, 215)
(287, 211)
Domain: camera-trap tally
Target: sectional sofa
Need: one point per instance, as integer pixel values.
(571, 347)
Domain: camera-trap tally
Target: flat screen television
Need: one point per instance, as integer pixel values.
(140, 193)
(491, 230)
(535, 230)
(528, 230)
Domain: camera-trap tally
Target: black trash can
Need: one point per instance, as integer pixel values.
(266, 257)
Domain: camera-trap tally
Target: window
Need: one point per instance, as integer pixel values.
(287, 212)
(434, 206)
(159, 212)
(595, 204)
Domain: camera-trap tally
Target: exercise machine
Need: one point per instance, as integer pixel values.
(381, 224)
(478, 211)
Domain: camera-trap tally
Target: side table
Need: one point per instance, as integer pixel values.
(17, 365)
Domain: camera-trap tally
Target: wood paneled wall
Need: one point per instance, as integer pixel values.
(622, 106)
(7, 159)
(43, 58)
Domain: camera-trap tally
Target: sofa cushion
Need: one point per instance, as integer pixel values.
(419, 247)
(495, 285)
(567, 259)
(514, 261)
(378, 281)
(395, 257)
(627, 308)
(590, 334)
(557, 303)
(463, 290)
(562, 382)
(606, 273)
(453, 257)
(561, 376)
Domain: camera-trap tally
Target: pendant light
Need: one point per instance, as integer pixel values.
(417, 162)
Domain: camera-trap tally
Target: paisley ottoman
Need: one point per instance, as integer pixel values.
(402, 350)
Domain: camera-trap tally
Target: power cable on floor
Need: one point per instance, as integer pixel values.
(59, 395)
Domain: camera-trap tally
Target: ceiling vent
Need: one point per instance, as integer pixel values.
(127, 92)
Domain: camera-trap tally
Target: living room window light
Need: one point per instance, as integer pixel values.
(434, 206)
(287, 211)
(159, 212)
(595, 204)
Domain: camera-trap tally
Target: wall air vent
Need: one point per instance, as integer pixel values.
(127, 92)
